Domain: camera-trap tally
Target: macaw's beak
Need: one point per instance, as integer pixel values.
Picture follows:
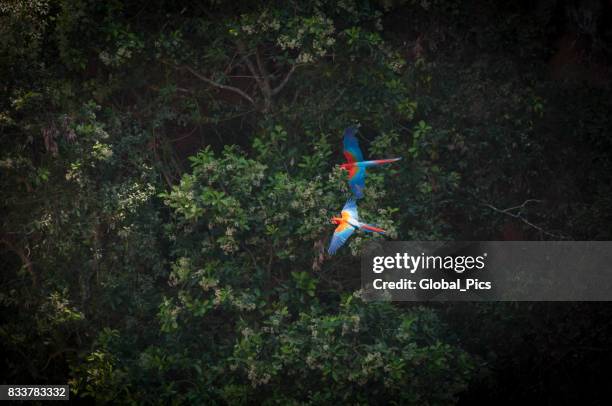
(335, 220)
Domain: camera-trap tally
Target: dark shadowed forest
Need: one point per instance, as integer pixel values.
(168, 171)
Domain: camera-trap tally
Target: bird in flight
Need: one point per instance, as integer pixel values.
(355, 164)
(347, 224)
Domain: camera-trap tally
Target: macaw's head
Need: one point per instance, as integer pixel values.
(336, 220)
(351, 130)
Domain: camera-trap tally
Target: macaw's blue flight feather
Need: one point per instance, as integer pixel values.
(341, 234)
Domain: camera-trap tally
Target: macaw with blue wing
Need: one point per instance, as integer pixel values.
(347, 224)
(355, 164)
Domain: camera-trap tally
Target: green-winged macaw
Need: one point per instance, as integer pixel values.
(355, 164)
(347, 224)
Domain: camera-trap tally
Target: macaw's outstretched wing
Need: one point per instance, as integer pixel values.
(352, 152)
(357, 175)
(341, 235)
(350, 208)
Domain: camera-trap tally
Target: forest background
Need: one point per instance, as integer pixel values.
(168, 171)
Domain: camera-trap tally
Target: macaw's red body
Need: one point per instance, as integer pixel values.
(355, 164)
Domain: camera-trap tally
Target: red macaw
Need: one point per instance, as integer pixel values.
(347, 224)
(355, 164)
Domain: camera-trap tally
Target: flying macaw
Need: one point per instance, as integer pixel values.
(347, 224)
(355, 164)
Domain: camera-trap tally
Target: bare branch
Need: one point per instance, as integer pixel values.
(23, 255)
(242, 76)
(511, 211)
(282, 84)
(249, 64)
(219, 85)
(264, 73)
(230, 66)
(525, 203)
(56, 354)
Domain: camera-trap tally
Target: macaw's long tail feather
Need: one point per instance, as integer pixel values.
(387, 161)
(376, 162)
(372, 229)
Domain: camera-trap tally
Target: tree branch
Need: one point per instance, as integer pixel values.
(249, 64)
(25, 258)
(519, 215)
(264, 73)
(219, 85)
(282, 84)
(260, 75)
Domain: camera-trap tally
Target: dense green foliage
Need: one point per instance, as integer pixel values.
(168, 172)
